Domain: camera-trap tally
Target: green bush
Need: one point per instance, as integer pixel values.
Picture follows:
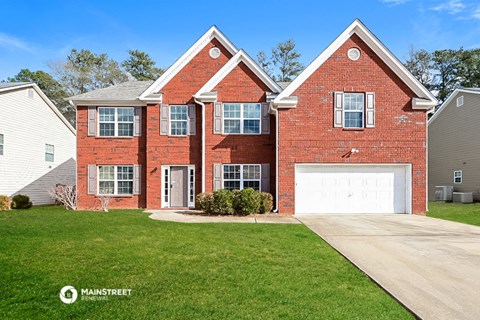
(5, 202)
(21, 201)
(266, 204)
(222, 202)
(247, 201)
(204, 202)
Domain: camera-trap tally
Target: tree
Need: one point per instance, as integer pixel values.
(469, 68)
(285, 57)
(265, 63)
(446, 65)
(141, 66)
(420, 66)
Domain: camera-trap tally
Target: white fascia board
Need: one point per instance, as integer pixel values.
(447, 102)
(357, 27)
(422, 104)
(212, 33)
(240, 56)
(109, 103)
(26, 85)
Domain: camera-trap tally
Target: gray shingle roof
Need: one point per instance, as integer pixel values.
(4, 85)
(283, 84)
(129, 90)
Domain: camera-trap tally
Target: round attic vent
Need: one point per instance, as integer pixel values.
(215, 52)
(354, 54)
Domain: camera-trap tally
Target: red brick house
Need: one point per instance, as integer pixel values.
(348, 135)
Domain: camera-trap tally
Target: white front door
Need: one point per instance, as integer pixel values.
(351, 189)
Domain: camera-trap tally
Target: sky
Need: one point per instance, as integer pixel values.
(35, 34)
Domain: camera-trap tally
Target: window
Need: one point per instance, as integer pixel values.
(237, 176)
(459, 101)
(241, 118)
(115, 122)
(49, 153)
(178, 120)
(457, 176)
(353, 108)
(1, 144)
(115, 180)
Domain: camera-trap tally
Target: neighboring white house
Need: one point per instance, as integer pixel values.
(37, 144)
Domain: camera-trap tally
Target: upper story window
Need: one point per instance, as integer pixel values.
(115, 122)
(457, 176)
(1, 144)
(49, 152)
(178, 120)
(241, 118)
(115, 180)
(240, 176)
(353, 110)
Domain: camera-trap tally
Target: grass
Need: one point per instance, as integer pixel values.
(177, 271)
(461, 212)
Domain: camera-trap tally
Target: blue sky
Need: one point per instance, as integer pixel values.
(34, 33)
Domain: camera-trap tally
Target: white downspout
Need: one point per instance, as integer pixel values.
(275, 111)
(203, 143)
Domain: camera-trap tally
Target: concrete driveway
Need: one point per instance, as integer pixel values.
(431, 266)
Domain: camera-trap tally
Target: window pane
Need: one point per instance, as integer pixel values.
(251, 184)
(125, 129)
(106, 114)
(125, 114)
(107, 129)
(1, 138)
(106, 187)
(125, 173)
(231, 110)
(178, 113)
(231, 172)
(106, 173)
(231, 185)
(49, 148)
(125, 187)
(231, 126)
(49, 157)
(353, 120)
(353, 101)
(251, 126)
(1, 149)
(251, 110)
(251, 172)
(178, 128)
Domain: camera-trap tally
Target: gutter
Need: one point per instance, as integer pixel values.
(203, 142)
(275, 112)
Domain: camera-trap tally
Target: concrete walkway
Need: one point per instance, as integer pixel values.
(431, 266)
(191, 216)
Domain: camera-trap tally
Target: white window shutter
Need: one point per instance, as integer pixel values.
(217, 177)
(370, 110)
(92, 121)
(137, 122)
(217, 118)
(91, 179)
(265, 177)
(265, 118)
(164, 120)
(338, 109)
(137, 179)
(191, 120)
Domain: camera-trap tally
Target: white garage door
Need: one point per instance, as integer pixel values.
(352, 189)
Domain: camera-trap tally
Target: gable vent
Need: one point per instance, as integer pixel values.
(459, 101)
(30, 93)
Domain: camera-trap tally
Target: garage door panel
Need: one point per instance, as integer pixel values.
(350, 189)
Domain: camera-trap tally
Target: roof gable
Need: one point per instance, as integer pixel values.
(450, 98)
(425, 98)
(212, 33)
(240, 56)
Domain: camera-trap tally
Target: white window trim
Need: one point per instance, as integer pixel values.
(170, 120)
(2, 144)
(115, 180)
(52, 153)
(115, 122)
(165, 190)
(241, 174)
(353, 111)
(455, 176)
(241, 118)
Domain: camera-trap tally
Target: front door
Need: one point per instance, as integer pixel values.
(178, 187)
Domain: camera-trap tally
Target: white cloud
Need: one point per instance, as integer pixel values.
(476, 13)
(452, 6)
(10, 42)
(394, 2)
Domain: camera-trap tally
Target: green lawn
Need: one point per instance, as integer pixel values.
(460, 212)
(177, 271)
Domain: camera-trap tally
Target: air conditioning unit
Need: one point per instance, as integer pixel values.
(463, 197)
(443, 193)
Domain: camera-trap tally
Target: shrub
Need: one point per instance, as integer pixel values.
(21, 201)
(266, 204)
(222, 202)
(247, 201)
(204, 202)
(5, 202)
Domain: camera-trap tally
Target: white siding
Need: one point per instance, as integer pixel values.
(27, 125)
